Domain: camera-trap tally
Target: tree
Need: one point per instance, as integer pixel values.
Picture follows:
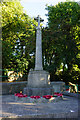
(63, 36)
(18, 33)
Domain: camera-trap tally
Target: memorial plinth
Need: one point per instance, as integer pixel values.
(38, 83)
(38, 80)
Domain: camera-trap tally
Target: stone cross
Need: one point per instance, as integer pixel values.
(38, 79)
(38, 58)
(38, 19)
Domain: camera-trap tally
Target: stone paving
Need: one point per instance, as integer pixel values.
(66, 108)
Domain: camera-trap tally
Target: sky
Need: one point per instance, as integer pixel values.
(37, 7)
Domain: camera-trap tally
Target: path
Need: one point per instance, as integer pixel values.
(67, 108)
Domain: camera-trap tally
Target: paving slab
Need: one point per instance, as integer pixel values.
(66, 108)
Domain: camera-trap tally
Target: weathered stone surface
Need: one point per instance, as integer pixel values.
(38, 79)
(38, 84)
(13, 87)
(38, 58)
(38, 91)
(58, 86)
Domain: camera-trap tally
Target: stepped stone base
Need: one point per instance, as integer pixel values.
(38, 91)
(38, 83)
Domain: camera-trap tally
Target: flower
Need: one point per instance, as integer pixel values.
(20, 95)
(16, 94)
(35, 97)
(67, 89)
(58, 94)
(47, 96)
(25, 95)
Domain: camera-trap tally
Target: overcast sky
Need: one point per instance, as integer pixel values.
(37, 7)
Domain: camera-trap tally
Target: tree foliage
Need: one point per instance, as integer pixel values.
(62, 39)
(18, 34)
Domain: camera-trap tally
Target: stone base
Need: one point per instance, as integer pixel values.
(38, 84)
(38, 79)
(38, 91)
(58, 86)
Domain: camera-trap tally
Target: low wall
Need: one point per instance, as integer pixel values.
(14, 87)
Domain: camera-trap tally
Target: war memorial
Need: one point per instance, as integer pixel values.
(38, 79)
(60, 105)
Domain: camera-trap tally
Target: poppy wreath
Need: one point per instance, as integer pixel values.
(20, 95)
(35, 97)
(47, 96)
(58, 94)
(67, 89)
